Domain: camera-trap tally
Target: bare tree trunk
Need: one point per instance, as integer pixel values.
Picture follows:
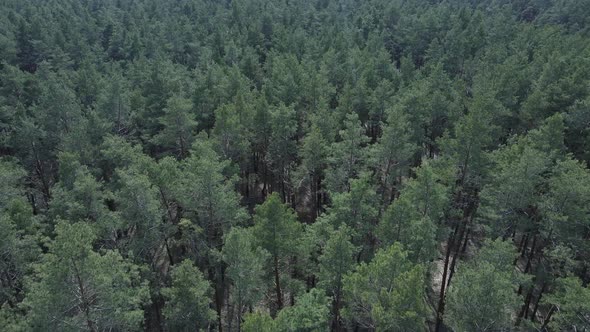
(441, 300)
(278, 284)
(534, 314)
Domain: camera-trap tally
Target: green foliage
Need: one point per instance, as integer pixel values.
(76, 288)
(313, 153)
(282, 148)
(357, 209)
(231, 131)
(207, 194)
(336, 261)
(411, 219)
(258, 321)
(79, 196)
(392, 154)
(309, 314)
(245, 268)
(278, 232)
(19, 250)
(482, 296)
(289, 150)
(347, 155)
(566, 204)
(141, 213)
(387, 293)
(11, 176)
(276, 227)
(513, 187)
(431, 102)
(178, 124)
(187, 306)
(571, 303)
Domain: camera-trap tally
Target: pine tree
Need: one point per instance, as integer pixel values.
(347, 156)
(335, 262)
(211, 208)
(359, 210)
(245, 270)
(482, 296)
(570, 306)
(282, 147)
(277, 231)
(387, 293)
(178, 125)
(392, 155)
(77, 288)
(310, 173)
(188, 299)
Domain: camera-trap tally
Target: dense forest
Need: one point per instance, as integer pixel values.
(294, 165)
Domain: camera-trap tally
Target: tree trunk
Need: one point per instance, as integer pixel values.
(547, 319)
(278, 284)
(441, 300)
(531, 255)
(455, 256)
(534, 314)
(464, 248)
(85, 301)
(525, 307)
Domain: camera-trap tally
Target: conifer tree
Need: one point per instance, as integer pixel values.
(277, 231)
(77, 288)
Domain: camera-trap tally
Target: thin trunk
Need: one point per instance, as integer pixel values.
(525, 307)
(441, 300)
(459, 241)
(525, 243)
(85, 301)
(513, 234)
(218, 306)
(536, 307)
(464, 248)
(336, 309)
(278, 284)
(168, 251)
(240, 307)
(531, 255)
(33, 204)
(318, 197)
(548, 319)
(229, 310)
(454, 259)
(41, 173)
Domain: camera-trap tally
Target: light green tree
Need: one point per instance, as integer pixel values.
(76, 288)
(245, 269)
(570, 306)
(309, 314)
(278, 232)
(386, 294)
(412, 218)
(188, 299)
(347, 157)
(335, 262)
(392, 154)
(359, 210)
(482, 296)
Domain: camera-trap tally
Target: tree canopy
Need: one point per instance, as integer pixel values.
(294, 165)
